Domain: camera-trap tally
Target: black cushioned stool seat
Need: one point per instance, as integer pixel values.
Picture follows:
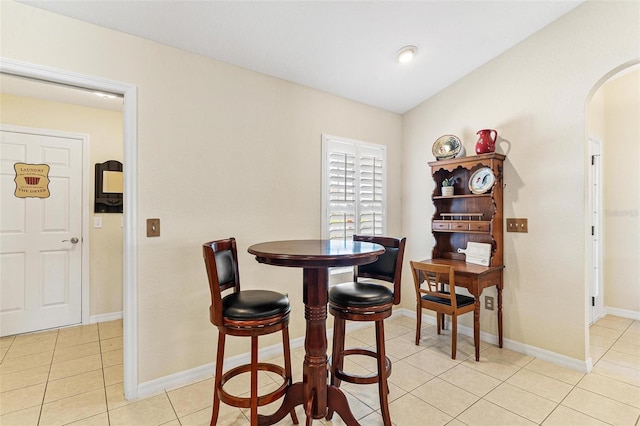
(254, 304)
(249, 313)
(367, 301)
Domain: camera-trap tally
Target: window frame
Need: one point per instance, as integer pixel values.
(333, 144)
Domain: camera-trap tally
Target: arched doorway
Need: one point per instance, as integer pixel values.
(613, 195)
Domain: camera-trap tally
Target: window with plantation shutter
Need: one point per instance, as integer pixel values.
(353, 188)
(342, 195)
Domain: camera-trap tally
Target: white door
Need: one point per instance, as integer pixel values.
(40, 238)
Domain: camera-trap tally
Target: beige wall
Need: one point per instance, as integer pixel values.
(621, 154)
(216, 145)
(104, 129)
(222, 151)
(534, 95)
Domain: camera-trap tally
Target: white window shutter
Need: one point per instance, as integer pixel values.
(371, 195)
(354, 188)
(342, 195)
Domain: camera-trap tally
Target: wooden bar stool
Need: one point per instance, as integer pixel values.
(367, 301)
(249, 313)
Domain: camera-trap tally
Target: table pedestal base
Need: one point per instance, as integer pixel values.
(315, 257)
(314, 392)
(336, 399)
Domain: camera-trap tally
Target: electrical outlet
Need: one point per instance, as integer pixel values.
(153, 227)
(517, 225)
(488, 303)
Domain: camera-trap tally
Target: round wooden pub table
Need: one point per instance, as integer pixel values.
(315, 257)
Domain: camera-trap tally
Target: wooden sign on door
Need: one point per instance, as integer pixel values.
(32, 180)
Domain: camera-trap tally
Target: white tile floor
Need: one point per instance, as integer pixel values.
(74, 376)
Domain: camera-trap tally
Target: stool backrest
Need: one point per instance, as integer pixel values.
(388, 266)
(221, 261)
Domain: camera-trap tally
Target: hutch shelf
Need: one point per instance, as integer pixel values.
(467, 217)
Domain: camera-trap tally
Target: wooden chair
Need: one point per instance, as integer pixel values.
(427, 278)
(367, 301)
(250, 313)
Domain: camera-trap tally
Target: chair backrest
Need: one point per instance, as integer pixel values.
(221, 261)
(427, 277)
(388, 266)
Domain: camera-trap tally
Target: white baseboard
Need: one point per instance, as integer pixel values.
(206, 371)
(177, 380)
(583, 366)
(624, 313)
(105, 317)
(543, 354)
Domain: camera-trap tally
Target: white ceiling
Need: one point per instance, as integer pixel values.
(346, 48)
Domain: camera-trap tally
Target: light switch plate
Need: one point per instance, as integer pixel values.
(517, 225)
(97, 221)
(153, 227)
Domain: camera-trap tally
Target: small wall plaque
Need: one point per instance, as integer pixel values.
(32, 180)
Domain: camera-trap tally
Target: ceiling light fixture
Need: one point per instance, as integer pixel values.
(406, 54)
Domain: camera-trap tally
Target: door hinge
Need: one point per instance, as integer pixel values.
(593, 230)
(593, 160)
(593, 301)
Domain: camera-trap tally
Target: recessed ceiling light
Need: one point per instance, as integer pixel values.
(406, 54)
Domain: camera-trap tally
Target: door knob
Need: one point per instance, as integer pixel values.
(73, 240)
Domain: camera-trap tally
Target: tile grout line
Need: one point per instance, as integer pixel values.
(172, 406)
(610, 348)
(461, 362)
(558, 404)
(104, 379)
(13, 340)
(574, 387)
(482, 398)
(46, 383)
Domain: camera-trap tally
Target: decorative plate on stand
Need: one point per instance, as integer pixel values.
(447, 146)
(481, 180)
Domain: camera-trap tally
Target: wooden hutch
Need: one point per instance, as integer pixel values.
(467, 217)
(470, 217)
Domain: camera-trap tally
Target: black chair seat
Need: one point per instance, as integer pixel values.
(254, 304)
(365, 300)
(244, 313)
(360, 294)
(461, 299)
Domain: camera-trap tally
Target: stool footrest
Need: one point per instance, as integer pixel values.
(268, 398)
(362, 379)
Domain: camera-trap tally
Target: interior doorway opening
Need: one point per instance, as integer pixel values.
(129, 113)
(612, 161)
(42, 108)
